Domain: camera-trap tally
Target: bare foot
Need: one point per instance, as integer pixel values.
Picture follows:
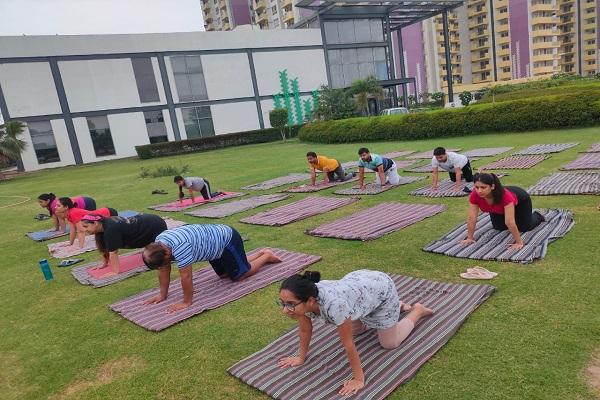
(272, 257)
(421, 310)
(405, 307)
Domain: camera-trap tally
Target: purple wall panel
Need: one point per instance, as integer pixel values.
(241, 12)
(412, 40)
(519, 37)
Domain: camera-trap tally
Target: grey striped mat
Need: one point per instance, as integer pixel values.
(427, 168)
(175, 206)
(493, 245)
(377, 221)
(238, 206)
(275, 182)
(427, 154)
(595, 148)
(584, 161)
(326, 368)
(374, 188)
(487, 151)
(516, 162)
(397, 154)
(82, 276)
(399, 164)
(444, 189)
(546, 148)
(567, 183)
(307, 207)
(317, 187)
(210, 291)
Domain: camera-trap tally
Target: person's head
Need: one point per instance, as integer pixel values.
(364, 154)
(45, 199)
(488, 186)
(298, 293)
(178, 180)
(156, 255)
(64, 204)
(311, 156)
(440, 154)
(92, 224)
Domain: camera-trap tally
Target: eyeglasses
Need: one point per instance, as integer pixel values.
(288, 306)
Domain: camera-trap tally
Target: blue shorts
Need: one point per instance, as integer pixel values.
(233, 262)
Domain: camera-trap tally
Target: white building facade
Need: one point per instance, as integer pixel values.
(93, 98)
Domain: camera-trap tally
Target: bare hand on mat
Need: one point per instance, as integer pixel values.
(177, 307)
(351, 387)
(290, 362)
(154, 300)
(467, 241)
(516, 246)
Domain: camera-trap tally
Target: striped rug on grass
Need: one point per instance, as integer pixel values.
(399, 164)
(326, 368)
(377, 221)
(567, 183)
(584, 161)
(130, 264)
(198, 201)
(238, 206)
(493, 245)
(374, 188)
(546, 148)
(427, 168)
(307, 207)
(487, 151)
(445, 189)
(210, 291)
(516, 162)
(427, 154)
(595, 148)
(317, 187)
(280, 181)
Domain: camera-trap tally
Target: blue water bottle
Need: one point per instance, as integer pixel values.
(45, 267)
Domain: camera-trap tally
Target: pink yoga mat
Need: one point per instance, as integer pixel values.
(126, 263)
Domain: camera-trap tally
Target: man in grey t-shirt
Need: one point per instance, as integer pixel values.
(194, 184)
(457, 165)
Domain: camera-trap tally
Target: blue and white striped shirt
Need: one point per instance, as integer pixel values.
(193, 243)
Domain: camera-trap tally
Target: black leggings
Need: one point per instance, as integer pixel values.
(525, 219)
(205, 191)
(112, 211)
(90, 204)
(467, 173)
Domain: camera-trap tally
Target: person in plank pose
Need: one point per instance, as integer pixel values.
(116, 233)
(509, 208)
(331, 168)
(457, 165)
(194, 184)
(360, 300)
(385, 168)
(49, 201)
(66, 207)
(220, 245)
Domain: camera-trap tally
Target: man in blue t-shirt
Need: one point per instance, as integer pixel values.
(220, 245)
(385, 168)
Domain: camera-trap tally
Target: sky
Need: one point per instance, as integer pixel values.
(82, 17)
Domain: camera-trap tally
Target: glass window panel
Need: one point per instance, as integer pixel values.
(203, 112)
(335, 57)
(331, 32)
(101, 136)
(350, 73)
(364, 55)
(376, 30)
(349, 56)
(366, 69)
(337, 76)
(346, 31)
(145, 79)
(362, 28)
(192, 130)
(381, 70)
(379, 54)
(43, 141)
(206, 127)
(155, 124)
(189, 78)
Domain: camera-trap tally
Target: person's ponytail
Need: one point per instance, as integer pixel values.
(302, 286)
(313, 276)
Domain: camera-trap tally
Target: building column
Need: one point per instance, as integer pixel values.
(324, 41)
(261, 121)
(402, 67)
(447, 51)
(390, 51)
(168, 95)
(493, 33)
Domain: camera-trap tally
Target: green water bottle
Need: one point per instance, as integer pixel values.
(45, 267)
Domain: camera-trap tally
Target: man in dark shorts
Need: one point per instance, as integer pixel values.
(220, 245)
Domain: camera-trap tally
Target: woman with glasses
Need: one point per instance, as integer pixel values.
(359, 301)
(509, 207)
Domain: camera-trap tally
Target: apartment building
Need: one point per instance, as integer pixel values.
(225, 15)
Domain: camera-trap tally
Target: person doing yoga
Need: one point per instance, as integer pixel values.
(116, 233)
(509, 208)
(220, 245)
(73, 215)
(331, 168)
(457, 165)
(194, 184)
(385, 168)
(359, 301)
(49, 201)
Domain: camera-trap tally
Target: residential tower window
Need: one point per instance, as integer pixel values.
(189, 78)
(198, 122)
(155, 124)
(43, 141)
(145, 79)
(101, 136)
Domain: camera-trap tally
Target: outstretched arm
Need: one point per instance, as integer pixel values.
(305, 334)
(458, 172)
(164, 278)
(434, 178)
(187, 285)
(361, 177)
(192, 195)
(471, 224)
(381, 175)
(511, 224)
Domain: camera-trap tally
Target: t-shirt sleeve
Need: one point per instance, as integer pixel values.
(361, 163)
(113, 238)
(474, 198)
(434, 162)
(337, 311)
(183, 254)
(508, 198)
(377, 160)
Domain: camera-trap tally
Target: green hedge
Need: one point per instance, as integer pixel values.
(211, 143)
(547, 112)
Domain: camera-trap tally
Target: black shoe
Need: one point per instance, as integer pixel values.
(41, 217)
(542, 218)
(467, 190)
(159, 191)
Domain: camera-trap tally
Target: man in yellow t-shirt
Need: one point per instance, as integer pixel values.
(331, 168)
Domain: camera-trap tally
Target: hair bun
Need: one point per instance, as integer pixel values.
(313, 276)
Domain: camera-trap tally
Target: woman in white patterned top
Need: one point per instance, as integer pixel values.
(360, 300)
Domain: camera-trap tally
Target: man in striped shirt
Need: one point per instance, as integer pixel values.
(220, 245)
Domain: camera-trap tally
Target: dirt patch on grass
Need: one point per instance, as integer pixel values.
(12, 380)
(107, 373)
(592, 373)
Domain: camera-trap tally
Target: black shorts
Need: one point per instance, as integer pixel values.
(90, 204)
(233, 262)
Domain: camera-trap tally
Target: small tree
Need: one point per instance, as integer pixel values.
(493, 91)
(279, 120)
(465, 98)
(10, 145)
(425, 96)
(333, 104)
(362, 89)
(437, 97)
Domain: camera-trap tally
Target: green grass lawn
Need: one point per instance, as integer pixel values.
(530, 340)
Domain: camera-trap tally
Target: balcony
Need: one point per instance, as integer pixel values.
(478, 47)
(587, 47)
(226, 26)
(476, 69)
(544, 20)
(262, 19)
(288, 17)
(224, 17)
(545, 57)
(209, 27)
(589, 26)
(545, 70)
(503, 52)
(478, 58)
(544, 45)
(543, 7)
(477, 35)
(473, 12)
(260, 5)
(206, 8)
(504, 64)
(589, 57)
(502, 40)
(222, 4)
(476, 24)
(208, 18)
(505, 76)
(544, 32)
(287, 4)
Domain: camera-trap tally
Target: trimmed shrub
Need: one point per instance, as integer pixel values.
(545, 112)
(210, 143)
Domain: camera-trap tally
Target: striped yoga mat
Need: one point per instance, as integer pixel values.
(210, 291)
(584, 161)
(487, 151)
(427, 168)
(326, 368)
(397, 154)
(317, 187)
(307, 207)
(198, 201)
(238, 206)
(399, 164)
(567, 183)
(427, 154)
(546, 148)
(595, 148)
(280, 181)
(516, 162)
(377, 221)
(374, 188)
(493, 245)
(40, 236)
(445, 189)
(130, 263)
